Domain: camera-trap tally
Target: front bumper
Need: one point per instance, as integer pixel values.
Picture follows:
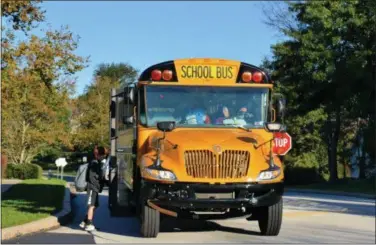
(211, 196)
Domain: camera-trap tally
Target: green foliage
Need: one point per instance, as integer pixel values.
(122, 72)
(35, 109)
(24, 171)
(22, 14)
(308, 154)
(91, 112)
(36, 84)
(4, 164)
(49, 153)
(325, 69)
(91, 116)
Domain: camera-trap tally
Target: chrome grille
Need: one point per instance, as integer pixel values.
(206, 164)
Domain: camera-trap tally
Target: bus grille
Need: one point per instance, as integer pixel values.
(206, 164)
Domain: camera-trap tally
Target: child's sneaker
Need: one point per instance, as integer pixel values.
(83, 224)
(89, 227)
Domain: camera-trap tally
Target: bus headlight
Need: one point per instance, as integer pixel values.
(159, 174)
(269, 174)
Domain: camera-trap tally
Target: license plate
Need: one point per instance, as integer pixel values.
(229, 195)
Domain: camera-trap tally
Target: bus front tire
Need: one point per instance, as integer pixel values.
(150, 221)
(270, 219)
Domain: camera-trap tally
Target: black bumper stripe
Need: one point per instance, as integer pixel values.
(248, 195)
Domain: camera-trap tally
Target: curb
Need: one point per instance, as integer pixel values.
(335, 193)
(54, 221)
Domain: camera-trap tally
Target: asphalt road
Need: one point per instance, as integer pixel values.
(308, 218)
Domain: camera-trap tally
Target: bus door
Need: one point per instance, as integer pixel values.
(122, 142)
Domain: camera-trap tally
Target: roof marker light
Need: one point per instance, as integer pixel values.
(257, 77)
(247, 76)
(156, 75)
(167, 75)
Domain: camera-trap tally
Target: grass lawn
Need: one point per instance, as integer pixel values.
(345, 185)
(31, 200)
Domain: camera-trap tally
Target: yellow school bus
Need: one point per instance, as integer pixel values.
(193, 138)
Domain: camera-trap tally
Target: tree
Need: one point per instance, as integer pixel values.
(91, 118)
(36, 83)
(323, 66)
(308, 155)
(363, 39)
(91, 115)
(34, 103)
(22, 14)
(115, 72)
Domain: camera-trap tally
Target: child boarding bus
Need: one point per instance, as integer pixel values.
(195, 137)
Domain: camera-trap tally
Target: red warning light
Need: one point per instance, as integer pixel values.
(257, 77)
(156, 75)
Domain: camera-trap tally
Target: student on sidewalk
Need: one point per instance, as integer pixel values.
(95, 185)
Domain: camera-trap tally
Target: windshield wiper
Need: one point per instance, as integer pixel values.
(241, 127)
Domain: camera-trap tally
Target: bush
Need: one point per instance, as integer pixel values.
(4, 164)
(24, 171)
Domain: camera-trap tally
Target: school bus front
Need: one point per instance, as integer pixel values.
(202, 135)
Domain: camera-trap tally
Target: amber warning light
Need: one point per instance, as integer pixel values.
(247, 76)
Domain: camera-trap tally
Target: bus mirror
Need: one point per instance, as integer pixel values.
(129, 94)
(166, 126)
(128, 120)
(281, 105)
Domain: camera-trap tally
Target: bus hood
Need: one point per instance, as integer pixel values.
(206, 139)
(179, 141)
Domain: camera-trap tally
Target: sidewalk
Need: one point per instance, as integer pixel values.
(7, 183)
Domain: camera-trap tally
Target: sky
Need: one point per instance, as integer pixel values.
(145, 33)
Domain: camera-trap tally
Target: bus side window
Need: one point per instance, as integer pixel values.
(120, 112)
(142, 106)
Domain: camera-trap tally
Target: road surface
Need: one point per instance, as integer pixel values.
(308, 218)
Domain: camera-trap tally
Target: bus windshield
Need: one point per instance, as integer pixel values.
(195, 106)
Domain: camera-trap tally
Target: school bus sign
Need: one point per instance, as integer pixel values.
(204, 71)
